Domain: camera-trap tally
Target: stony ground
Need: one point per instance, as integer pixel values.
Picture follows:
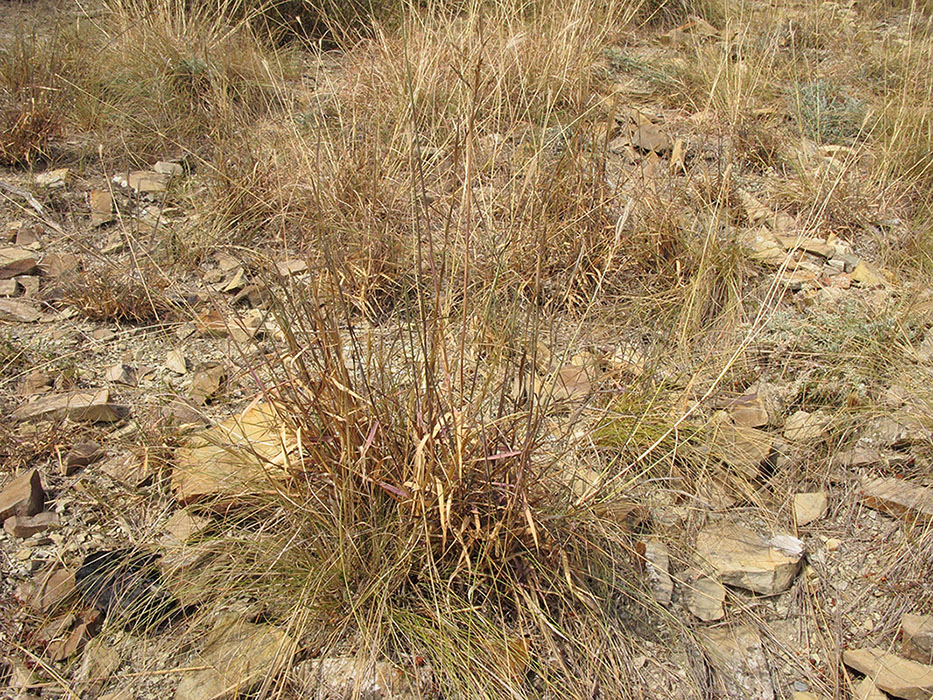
(798, 564)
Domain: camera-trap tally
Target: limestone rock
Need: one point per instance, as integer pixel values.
(898, 497)
(206, 383)
(741, 557)
(805, 427)
(657, 569)
(348, 677)
(894, 675)
(704, 598)
(743, 449)
(866, 690)
(917, 637)
(16, 261)
(18, 311)
(98, 662)
(101, 207)
(238, 654)
(809, 507)
(175, 361)
(232, 459)
(81, 455)
(47, 590)
(121, 373)
(23, 495)
(93, 406)
(23, 526)
(738, 662)
(748, 411)
(868, 275)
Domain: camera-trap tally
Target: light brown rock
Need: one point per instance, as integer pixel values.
(866, 690)
(81, 455)
(743, 449)
(47, 590)
(741, 557)
(917, 637)
(206, 383)
(809, 507)
(23, 526)
(805, 427)
(22, 495)
(868, 275)
(18, 311)
(92, 406)
(232, 459)
(148, 181)
(737, 659)
(898, 497)
(657, 570)
(121, 373)
(894, 675)
(58, 264)
(748, 411)
(101, 207)
(238, 655)
(183, 525)
(348, 677)
(16, 261)
(99, 661)
(704, 598)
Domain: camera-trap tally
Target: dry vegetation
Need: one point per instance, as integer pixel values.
(447, 170)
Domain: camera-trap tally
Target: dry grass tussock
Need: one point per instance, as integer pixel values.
(448, 177)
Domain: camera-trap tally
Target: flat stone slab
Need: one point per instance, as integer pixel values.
(18, 311)
(241, 456)
(22, 496)
(917, 636)
(237, 655)
(16, 261)
(898, 497)
(739, 666)
(894, 675)
(92, 406)
(743, 558)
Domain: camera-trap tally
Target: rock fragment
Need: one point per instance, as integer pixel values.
(894, 675)
(237, 654)
(809, 507)
(866, 690)
(901, 498)
(92, 406)
(743, 558)
(23, 495)
(738, 662)
(16, 261)
(23, 526)
(917, 637)
(704, 598)
(81, 455)
(657, 569)
(18, 311)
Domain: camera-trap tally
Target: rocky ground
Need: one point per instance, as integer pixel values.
(797, 564)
